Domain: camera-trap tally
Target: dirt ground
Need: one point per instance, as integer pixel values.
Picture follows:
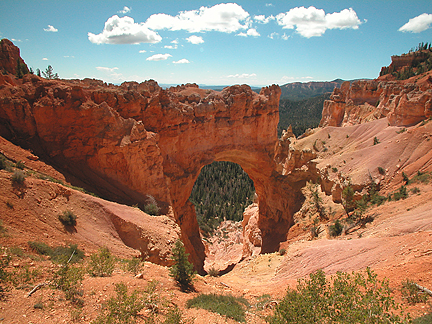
(397, 245)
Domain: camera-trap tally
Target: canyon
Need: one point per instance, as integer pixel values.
(138, 143)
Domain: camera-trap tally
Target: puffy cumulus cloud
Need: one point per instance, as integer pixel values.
(159, 57)
(182, 61)
(273, 35)
(195, 39)
(143, 51)
(44, 59)
(223, 17)
(124, 30)
(250, 32)
(311, 22)
(106, 69)
(417, 24)
(125, 10)
(242, 76)
(51, 29)
(263, 20)
(171, 46)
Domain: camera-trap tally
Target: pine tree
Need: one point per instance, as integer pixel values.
(182, 270)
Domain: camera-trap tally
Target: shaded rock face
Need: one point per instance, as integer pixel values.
(404, 103)
(10, 57)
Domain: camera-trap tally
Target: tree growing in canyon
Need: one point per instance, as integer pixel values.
(182, 271)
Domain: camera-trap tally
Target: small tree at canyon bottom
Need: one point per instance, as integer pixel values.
(182, 270)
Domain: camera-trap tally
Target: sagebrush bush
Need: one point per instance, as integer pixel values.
(133, 265)
(225, 305)
(345, 299)
(122, 308)
(58, 254)
(3, 163)
(18, 177)
(67, 218)
(412, 293)
(213, 272)
(68, 279)
(102, 263)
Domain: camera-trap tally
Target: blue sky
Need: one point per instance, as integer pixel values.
(213, 42)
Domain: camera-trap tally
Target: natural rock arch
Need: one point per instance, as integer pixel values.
(136, 140)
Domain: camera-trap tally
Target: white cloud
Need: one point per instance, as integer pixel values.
(311, 22)
(182, 61)
(44, 59)
(125, 10)
(69, 56)
(51, 29)
(286, 79)
(417, 24)
(16, 40)
(171, 46)
(250, 32)
(124, 31)
(242, 76)
(106, 69)
(285, 36)
(175, 41)
(223, 17)
(142, 51)
(269, 5)
(159, 57)
(273, 35)
(263, 20)
(195, 39)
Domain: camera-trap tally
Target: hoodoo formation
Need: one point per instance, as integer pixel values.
(137, 141)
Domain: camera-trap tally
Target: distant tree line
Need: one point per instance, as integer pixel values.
(421, 64)
(222, 191)
(301, 114)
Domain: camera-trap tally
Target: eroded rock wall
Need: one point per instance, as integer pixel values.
(404, 103)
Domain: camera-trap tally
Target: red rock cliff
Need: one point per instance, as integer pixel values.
(139, 140)
(404, 103)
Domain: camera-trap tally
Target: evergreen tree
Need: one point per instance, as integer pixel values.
(182, 270)
(49, 73)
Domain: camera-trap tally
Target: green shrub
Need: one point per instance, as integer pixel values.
(133, 265)
(425, 319)
(405, 178)
(345, 298)
(213, 272)
(348, 199)
(67, 218)
(18, 177)
(151, 207)
(122, 308)
(70, 254)
(3, 163)
(102, 263)
(401, 194)
(182, 270)
(40, 248)
(412, 294)
(282, 251)
(381, 171)
(68, 279)
(336, 228)
(422, 177)
(20, 165)
(4, 275)
(59, 254)
(225, 305)
(376, 141)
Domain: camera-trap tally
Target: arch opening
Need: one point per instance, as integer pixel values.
(220, 195)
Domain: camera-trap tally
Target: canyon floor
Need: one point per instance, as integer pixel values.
(397, 245)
